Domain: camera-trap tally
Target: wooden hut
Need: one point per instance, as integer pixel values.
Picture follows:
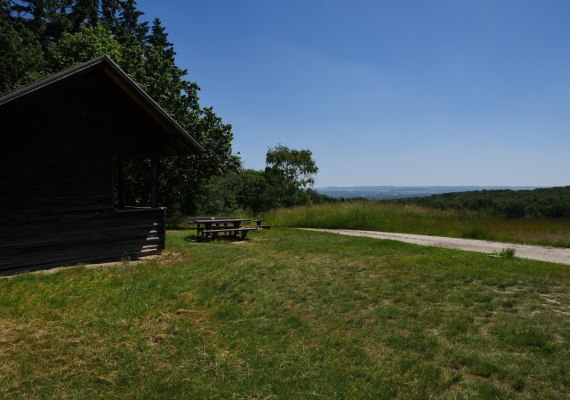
(63, 142)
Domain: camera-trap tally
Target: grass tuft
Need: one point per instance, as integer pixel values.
(508, 252)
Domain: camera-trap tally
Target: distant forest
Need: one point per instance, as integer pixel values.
(537, 203)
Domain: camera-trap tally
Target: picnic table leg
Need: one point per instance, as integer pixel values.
(209, 234)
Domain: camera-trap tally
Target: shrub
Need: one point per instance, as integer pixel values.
(508, 252)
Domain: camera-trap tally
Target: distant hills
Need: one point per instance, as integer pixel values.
(405, 192)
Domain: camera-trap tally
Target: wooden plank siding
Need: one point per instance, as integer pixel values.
(57, 148)
(32, 242)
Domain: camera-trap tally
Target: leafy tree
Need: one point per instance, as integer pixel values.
(317, 198)
(246, 190)
(164, 81)
(218, 195)
(289, 172)
(88, 43)
(254, 194)
(183, 176)
(21, 55)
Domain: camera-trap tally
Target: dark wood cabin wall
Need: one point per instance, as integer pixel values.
(60, 177)
(56, 194)
(56, 204)
(69, 239)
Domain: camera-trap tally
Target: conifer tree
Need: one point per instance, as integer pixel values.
(164, 80)
(131, 34)
(6, 7)
(129, 26)
(85, 12)
(109, 9)
(34, 12)
(46, 19)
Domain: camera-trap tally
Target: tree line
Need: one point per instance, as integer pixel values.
(537, 203)
(42, 37)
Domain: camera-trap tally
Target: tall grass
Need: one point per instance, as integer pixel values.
(367, 215)
(407, 218)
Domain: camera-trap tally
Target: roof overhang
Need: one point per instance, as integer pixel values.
(121, 80)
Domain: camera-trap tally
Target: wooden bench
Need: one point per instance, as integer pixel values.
(213, 233)
(210, 223)
(259, 224)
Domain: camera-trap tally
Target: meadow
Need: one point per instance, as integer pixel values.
(289, 314)
(411, 218)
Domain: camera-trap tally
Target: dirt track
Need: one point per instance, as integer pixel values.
(540, 253)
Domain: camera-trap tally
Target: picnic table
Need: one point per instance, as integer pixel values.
(210, 227)
(259, 224)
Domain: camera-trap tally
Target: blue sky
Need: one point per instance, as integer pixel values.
(400, 92)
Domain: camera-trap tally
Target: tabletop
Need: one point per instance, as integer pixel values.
(214, 220)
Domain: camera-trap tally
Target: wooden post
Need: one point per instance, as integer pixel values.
(154, 164)
(120, 183)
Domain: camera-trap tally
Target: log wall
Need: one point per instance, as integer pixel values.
(42, 241)
(56, 178)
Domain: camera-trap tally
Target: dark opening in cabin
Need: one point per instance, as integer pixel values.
(65, 142)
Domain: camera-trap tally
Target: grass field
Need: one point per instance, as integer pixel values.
(290, 315)
(394, 217)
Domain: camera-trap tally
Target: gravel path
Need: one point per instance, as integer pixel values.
(540, 253)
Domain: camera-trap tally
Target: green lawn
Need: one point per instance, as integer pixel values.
(290, 314)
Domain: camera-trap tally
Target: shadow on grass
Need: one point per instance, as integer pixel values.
(219, 238)
(176, 228)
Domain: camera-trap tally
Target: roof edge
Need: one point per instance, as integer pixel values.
(109, 65)
(84, 67)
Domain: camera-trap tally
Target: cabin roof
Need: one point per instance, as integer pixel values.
(186, 143)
